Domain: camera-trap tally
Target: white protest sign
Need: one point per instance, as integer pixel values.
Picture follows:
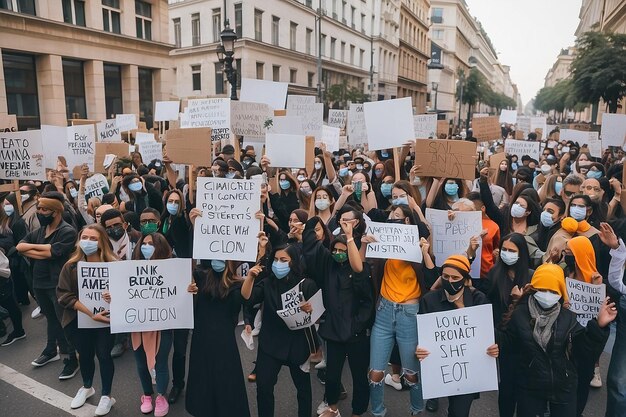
(330, 136)
(93, 280)
(585, 299)
(451, 237)
(479, 115)
(143, 137)
(261, 91)
(583, 137)
(126, 122)
(595, 147)
(539, 122)
(150, 295)
(286, 151)
(150, 151)
(425, 126)
(357, 133)
(337, 118)
(249, 119)
(522, 147)
(297, 319)
(389, 123)
(394, 241)
(108, 131)
(210, 112)
(296, 100)
(286, 125)
(312, 117)
(508, 116)
(96, 186)
(81, 146)
(613, 129)
(523, 125)
(22, 156)
(166, 110)
(457, 341)
(228, 228)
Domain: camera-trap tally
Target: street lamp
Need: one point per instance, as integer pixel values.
(225, 53)
(435, 88)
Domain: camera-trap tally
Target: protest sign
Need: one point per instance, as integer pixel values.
(523, 125)
(21, 155)
(446, 158)
(330, 136)
(394, 241)
(96, 186)
(143, 137)
(126, 122)
(337, 118)
(389, 123)
(357, 134)
(296, 319)
(312, 117)
(8, 123)
(286, 125)
(508, 116)
(486, 128)
(585, 299)
(457, 341)
(443, 129)
(210, 112)
(108, 131)
(451, 237)
(93, 280)
(613, 129)
(166, 110)
(150, 151)
(119, 149)
(189, 146)
(425, 126)
(537, 124)
(150, 295)
(296, 100)
(595, 147)
(580, 136)
(262, 91)
(286, 151)
(81, 146)
(522, 147)
(228, 228)
(249, 119)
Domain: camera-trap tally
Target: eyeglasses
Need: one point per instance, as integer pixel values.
(148, 221)
(569, 193)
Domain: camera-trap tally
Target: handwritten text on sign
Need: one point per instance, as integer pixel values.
(210, 112)
(108, 131)
(585, 299)
(228, 228)
(394, 241)
(337, 118)
(446, 158)
(21, 155)
(297, 319)
(458, 362)
(150, 295)
(81, 146)
(249, 119)
(522, 147)
(93, 280)
(357, 134)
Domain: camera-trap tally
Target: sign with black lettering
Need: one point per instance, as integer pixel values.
(21, 156)
(81, 146)
(209, 112)
(394, 241)
(93, 281)
(458, 362)
(108, 131)
(585, 299)
(296, 319)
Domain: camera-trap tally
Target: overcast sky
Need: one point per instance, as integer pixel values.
(528, 35)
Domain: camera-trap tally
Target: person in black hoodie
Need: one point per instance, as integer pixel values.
(349, 299)
(142, 194)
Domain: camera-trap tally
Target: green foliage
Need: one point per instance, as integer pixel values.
(476, 89)
(338, 95)
(559, 98)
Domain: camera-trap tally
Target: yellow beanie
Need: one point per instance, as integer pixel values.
(459, 262)
(550, 277)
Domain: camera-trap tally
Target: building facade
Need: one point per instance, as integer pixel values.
(74, 59)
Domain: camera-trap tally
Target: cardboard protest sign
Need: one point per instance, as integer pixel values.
(451, 237)
(330, 136)
(126, 122)
(93, 281)
(166, 110)
(296, 319)
(96, 186)
(357, 133)
(522, 147)
(150, 151)
(228, 228)
(585, 299)
(486, 128)
(189, 146)
(389, 123)
(425, 126)
(443, 129)
(286, 151)
(8, 123)
(294, 100)
(394, 241)
(22, 155)
(337, 118)
(249, 119)
(446, 158)
(508, 116)
(210, 112)
(613, 129)
(262, 91)
(312, 115)
(119, 149)
(81, 146)
(108, 131)
(458, 362)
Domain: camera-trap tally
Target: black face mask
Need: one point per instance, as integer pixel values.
(395, 221)
(45, 220)
(453, 288)
(570, 261)
(116, 233)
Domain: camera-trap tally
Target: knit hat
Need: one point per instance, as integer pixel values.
(550, 277)
(585, 256)
(458, 262)
(571, 226)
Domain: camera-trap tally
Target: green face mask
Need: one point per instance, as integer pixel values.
(149, 228)
(340, 257)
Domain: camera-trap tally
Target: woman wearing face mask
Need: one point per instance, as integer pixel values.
(175, 226)
(549, 222)
(92, 246)
(322, 205)
(305, 190)
(550, 343)
(19, 267)
(323, 168)
(301, 175)
(551, 188)
(142, 194)
(444, 193)
(284, 198)
(453, 295)
(366, 198)
(545, 171)
(383, 192)
(279, 346)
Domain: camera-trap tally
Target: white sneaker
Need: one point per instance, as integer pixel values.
(104, 406)
(395, 385)
(596, 382)
(322, 407)
(36, 313)
(81, 396)
(321, 365)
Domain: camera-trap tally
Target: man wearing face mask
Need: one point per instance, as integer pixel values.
(150, 220)
(48, 249)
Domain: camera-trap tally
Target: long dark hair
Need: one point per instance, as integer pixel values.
(215, 284)
(295, 253)
(162, 249)
(520, 268)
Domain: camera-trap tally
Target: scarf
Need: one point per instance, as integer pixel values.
(544, 321)
(122, 248)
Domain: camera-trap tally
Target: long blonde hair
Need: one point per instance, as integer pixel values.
(105, 249)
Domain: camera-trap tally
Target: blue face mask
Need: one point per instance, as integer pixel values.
(451, 189)
(384, 154)
(89, 247)
(74, 191)
(280, 269)
(378, 172)
(172, 208)
(578, 213)
(284, 184)
(135, 186)
(147, 251)
(343, 172)
(218, 266)
(594, 174)
(230, 175)
(546, 219)
(385, 190)
(558, 186)
(400, 201)
(9, 209)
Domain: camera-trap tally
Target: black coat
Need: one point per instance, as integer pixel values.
(179, 234)
(283, 204)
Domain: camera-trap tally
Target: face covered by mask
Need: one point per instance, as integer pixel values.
(89, 247)
(45, 219)
(116, 232)
(322, 204)
(172, 208)
(400, 201)
(578, 213)
(453, 288)
(217, 265)
(318, 166)
(9, 209)
(340, 257)
(147, 250)
(344, 172)
(149, 228)
(517, 211)
(280, 269)
(546, 299)
(135, 187)
(73, 192)
(509, 258)
(546, 219)
(385, 189)
(594, 174)
(284, 184)
(451, 189)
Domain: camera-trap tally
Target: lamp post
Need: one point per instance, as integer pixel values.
(225, 52)
(435, 88)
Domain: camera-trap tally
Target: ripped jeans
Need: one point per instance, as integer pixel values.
(394, 323)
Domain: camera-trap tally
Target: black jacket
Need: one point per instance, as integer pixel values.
(283, 204)
(178, 233)
(436, 301)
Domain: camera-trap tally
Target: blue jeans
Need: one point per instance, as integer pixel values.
(161, 366)
(616, 378)
(394, 323)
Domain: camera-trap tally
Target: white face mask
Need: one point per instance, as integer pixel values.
(509, 258)
(517, 211)
(547, 299)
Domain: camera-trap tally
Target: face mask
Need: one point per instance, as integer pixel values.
(340, 257)
(509, 258)
(24, 197)
(322, 204)
(570, 262)
(558, 186)
(284, 184)
(301, 178)
(172, 208)
(578, 213)
(378, 172)
(417, 181)
(217, 265)
(230, 175)
(517, 211)
(306, 191)
(89, 247)
(545, 169)
(546, 219)
(453, 288)
(45, 220)
(384, 154)
(343, 172)
(73, 192)
(594, 174)
(280, 269)
(400, 201)
(116, 233)
(147, 251)
(385, 189)
(546, 299)
(396, 221)
(135, 186)
(149, 228)
(359, 167)
(318, 165)
(451, 189)
(9, 209)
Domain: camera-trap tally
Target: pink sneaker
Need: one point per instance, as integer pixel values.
(146, 404)
(161, 406)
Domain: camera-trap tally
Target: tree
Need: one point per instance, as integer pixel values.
(338, 95)
(559, 98)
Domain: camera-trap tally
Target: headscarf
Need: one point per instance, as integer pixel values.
(550, 277)
(585, 256)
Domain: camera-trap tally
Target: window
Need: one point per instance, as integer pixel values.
(177, 39)
(276, 72)
(20, 77)
(437, 15)
(293, 75)
(309, 80)
(111, 16)
(293, 32)
(238, 20)
(146, 97)
(74, 83)
(113, 90)
(333, 43)
(352, 49)
(219, 78)
(335, 9)
(309, 3)
(259, 70)
(217, 25)
(238, 68)
(275, 30)
(343, 52)
(361, 56)
(323, 46)
(74, 12)
(362, 23)
(353, 17)
(308, 40)
(258, 25)
(196, 79)
(20, 6)
(143, 19)
(343, 12)
(195, 29)
(438, 34)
